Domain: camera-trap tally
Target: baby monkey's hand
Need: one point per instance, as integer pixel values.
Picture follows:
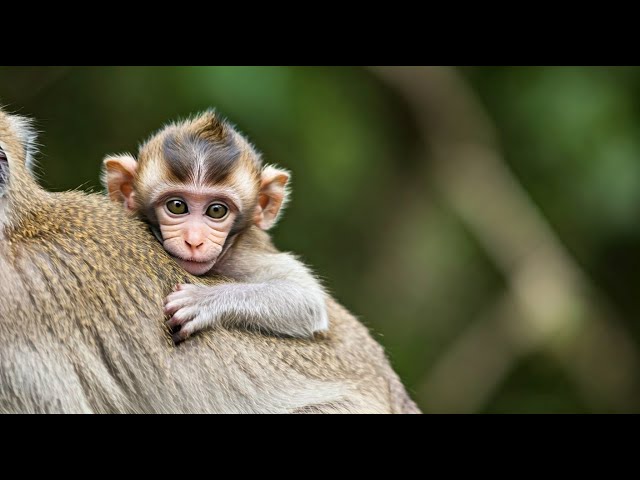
(188, 307)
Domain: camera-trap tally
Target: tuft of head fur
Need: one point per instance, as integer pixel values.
(208, 127)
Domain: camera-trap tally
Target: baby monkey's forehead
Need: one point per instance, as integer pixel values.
(203, 152)
(190, 157)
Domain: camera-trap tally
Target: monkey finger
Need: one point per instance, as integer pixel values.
(179, 337)
(174, 322)
(184, 333)
(182, 316)
(174, 295)
(188, 288)
(184, 297)
(171, 307)
(200, 322)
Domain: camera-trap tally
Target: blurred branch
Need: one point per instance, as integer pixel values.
(550, 303)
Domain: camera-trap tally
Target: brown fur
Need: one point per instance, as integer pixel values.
(81, 325)
(223, 150)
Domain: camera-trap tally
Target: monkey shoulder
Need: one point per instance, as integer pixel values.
(253, 257)
(247, 264)
(255, 239)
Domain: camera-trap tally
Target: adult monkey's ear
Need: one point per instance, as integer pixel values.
(118, 174)
(271, 197)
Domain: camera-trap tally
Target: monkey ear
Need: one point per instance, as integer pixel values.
(118, 176)
(271, 197)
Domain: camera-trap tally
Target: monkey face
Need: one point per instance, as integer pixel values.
(195, 225)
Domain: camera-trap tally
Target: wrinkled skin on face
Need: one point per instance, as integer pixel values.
(195, 225)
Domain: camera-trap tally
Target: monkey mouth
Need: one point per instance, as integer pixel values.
(195, 267)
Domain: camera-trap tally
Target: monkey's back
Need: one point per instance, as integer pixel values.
(82, 330)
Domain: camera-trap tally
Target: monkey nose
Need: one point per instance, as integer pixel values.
(194, 245)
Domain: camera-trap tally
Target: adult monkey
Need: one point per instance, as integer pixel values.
(81, 324)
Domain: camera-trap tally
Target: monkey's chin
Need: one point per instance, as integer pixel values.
(196, 268)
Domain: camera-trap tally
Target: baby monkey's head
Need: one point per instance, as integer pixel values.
(201, 183)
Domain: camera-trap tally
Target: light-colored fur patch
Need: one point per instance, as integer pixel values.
(27, 136)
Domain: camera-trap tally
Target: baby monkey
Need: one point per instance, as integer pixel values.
(210, 201)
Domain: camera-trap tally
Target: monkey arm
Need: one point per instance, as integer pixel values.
(280, 307)
(276, 293)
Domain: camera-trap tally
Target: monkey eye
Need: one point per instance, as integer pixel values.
(177, 206)
(217, 211)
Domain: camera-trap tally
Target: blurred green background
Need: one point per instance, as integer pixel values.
(483, 222)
